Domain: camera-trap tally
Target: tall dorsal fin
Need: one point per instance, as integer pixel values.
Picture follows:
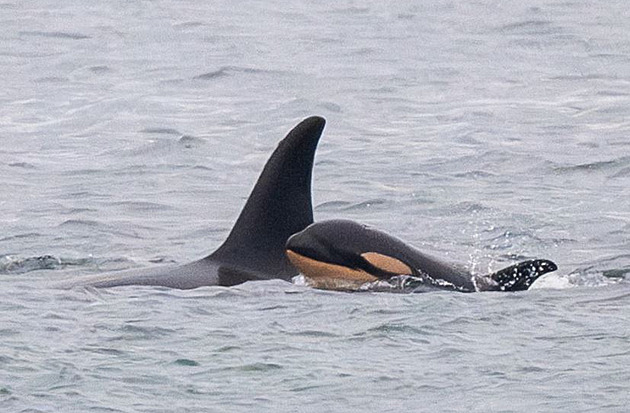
(279, 205)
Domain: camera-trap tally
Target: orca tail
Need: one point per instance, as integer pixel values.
(521, 276)
(279, 205)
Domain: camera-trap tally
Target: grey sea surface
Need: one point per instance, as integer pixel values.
(484, 132)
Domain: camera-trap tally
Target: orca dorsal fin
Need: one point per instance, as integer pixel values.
(521, 276)
(279, 205)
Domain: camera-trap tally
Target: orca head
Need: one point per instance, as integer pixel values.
(338, 254)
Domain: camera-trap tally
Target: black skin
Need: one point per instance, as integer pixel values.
(279, 205)
(341, 242)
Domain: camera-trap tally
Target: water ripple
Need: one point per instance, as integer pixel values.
(55, 35)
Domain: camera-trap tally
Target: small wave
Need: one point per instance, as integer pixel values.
(51, 79)
(84, 195)
(75, 211)
(15, 264)
(314, 333)
(552, 282)
(397, 284)
(136, 332)
(330, 106)
(351, 10)
(623, 173)
(580, 77)
(24, 165)
(349, 206)
(595, 275)
(332, 206)
(231, 70)
(509, 237)
(591, 166)
(394, 328)
(613, 93)
(20, 236)
(100, 69)
(141, 206)
(189, 25)
(256, 367)
(212, 75)
(162, 260)
(460, 208)
(619, 273)
(598, 166)
(408, 284)
(468, 207)
(477, 174)
(164, 145)
(530, 27)
(186, 362)
(164, 131)
(103, 350)
(189, 142)
(82, 172)
(365, 204)
(76, 223)
(612, 269)
(12, 264)
(56, 35)
(526, 24)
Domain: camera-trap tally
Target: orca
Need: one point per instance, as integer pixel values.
(279, 205)
(346, 255)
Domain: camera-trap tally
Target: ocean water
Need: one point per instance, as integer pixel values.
(483, 132)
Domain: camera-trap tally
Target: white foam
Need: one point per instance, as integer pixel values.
(552, 281)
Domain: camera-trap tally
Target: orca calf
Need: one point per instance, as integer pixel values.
(278, 206)
(344, 255)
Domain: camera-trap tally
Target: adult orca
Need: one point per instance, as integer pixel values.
(279, 205)
(343, 255)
